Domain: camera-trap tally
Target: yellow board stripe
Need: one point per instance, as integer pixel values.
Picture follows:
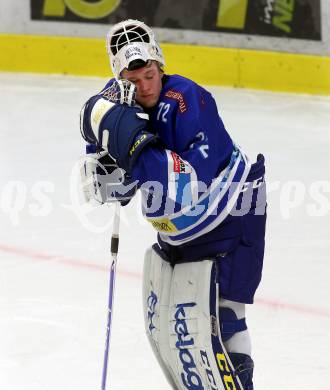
(232, 13)
(50, 54)
(273, 71)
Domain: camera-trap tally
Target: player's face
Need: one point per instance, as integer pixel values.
(148, 81)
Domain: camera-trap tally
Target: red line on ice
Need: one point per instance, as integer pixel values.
(80, 263)
(70, 261)
(293, 307)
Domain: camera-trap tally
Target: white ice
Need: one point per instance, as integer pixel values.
(54, 263)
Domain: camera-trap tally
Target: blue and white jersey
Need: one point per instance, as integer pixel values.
(192, 178)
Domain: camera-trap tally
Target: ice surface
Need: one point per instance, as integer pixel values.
(53, 262)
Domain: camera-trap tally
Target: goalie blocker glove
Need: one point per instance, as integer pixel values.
(103, 181)
(118, 128)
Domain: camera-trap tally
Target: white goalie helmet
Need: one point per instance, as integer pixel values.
(131, 40)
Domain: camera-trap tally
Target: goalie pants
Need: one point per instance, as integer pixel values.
(238, 242)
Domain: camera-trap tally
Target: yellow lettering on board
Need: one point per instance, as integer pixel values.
(283, 15)
(87, 10)
(232, 14)
(82, 8)
(53, 8)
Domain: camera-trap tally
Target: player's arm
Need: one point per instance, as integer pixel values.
(117, 131)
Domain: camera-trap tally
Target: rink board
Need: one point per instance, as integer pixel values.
(275, 71)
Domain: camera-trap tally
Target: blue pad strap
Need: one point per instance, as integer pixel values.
(230, 324)
(243, 368)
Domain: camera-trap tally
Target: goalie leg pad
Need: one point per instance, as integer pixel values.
(181, 312)
(157, 276)
(198, 356)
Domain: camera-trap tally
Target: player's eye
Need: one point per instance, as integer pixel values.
(149, 76)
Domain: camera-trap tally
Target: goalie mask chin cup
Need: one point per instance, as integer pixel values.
(131, 40)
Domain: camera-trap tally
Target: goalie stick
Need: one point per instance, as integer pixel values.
(120, 92)
(114, 253)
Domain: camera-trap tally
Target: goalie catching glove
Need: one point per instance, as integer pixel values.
(111, 121)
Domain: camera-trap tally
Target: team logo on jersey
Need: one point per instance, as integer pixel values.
(163, 225)
(179, 165)
(177, 96)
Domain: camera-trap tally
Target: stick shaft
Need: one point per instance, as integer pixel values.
(114, 253)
